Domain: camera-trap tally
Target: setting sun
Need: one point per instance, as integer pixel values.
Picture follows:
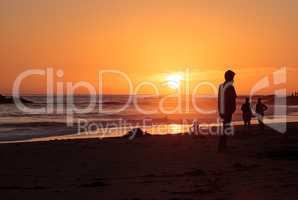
(173, 80)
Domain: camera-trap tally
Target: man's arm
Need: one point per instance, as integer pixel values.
(234, 93)
(220, 101)
(233, 98)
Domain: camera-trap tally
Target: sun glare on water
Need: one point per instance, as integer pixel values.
(173, 80)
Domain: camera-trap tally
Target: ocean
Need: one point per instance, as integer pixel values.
(114, 116)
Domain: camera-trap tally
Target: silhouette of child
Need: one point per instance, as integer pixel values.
(260, 110)
(246, 112)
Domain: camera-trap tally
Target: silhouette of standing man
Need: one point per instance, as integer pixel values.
(226, 107)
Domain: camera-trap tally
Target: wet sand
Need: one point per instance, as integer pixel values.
(258, 165)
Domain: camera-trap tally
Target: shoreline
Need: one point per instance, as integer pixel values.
(238, 126)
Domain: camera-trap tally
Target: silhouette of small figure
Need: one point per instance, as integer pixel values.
(195, 128)
(260, 110)
(246, 112)
(226, 107)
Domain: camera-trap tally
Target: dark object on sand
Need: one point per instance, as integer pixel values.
(135, 132)
(95, 184)
(9, 100)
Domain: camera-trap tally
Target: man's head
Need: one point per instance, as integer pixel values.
(229, 75)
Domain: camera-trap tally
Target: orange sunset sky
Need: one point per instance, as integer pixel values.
(148, 39)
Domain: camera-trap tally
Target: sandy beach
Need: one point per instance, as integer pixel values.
(258, 165)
